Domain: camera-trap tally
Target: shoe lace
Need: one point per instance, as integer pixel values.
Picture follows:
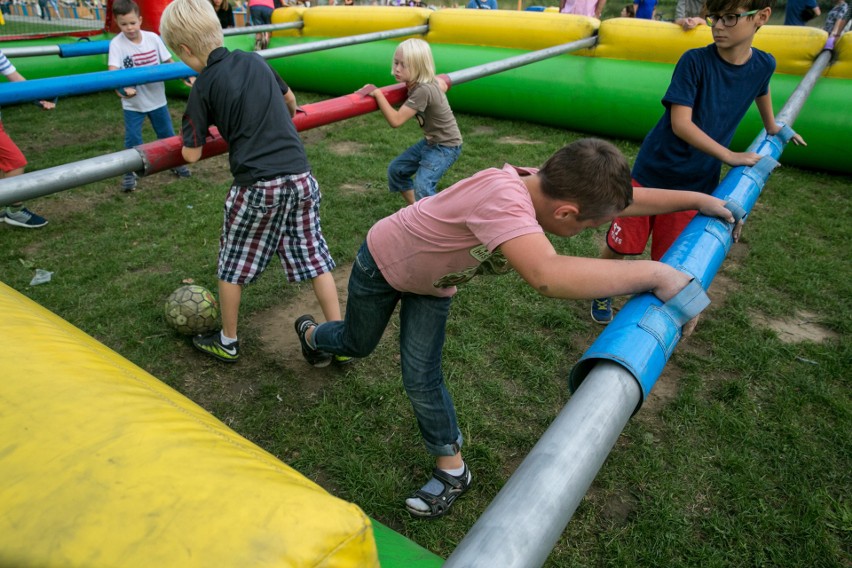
(602, 305)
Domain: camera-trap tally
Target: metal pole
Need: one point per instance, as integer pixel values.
(52, 87)
(526, 518)
(276, 52)
(263, 28)
(471, 73)
(164, 154)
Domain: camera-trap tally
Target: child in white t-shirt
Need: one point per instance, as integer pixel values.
(132, 48)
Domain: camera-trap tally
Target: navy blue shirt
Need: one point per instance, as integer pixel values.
(244, 97)
(793, 13)
(719, 95)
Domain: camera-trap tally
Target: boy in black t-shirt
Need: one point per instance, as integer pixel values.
(273, 204)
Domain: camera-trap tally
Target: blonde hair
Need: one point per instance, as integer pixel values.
(417, 57)
(192, 23)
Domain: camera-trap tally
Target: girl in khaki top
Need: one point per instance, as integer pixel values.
(416, 172)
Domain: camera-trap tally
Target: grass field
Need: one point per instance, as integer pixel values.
(740, 457)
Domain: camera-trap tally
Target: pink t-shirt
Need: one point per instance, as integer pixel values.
(446, 239)
(580, 7)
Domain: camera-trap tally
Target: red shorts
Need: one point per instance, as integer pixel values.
(629, 235)
(11, 157)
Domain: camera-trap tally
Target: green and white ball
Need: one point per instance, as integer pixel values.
(192, 310)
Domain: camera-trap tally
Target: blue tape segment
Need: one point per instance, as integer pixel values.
(761, 170)
(658, 321)
(786, 133)
(736, 210)
(719, 229)
(687, 303)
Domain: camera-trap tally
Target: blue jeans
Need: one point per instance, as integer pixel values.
(161, 120)
(423, 321)
(426, 163)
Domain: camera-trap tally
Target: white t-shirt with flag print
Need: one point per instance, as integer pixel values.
(125, 54)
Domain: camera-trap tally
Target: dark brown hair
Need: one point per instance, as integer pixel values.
(124, 7)
(591, 172)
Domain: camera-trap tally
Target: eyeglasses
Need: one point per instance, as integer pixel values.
(728, 20)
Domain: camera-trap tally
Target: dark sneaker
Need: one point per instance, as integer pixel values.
(313, 356)
(602, 310)
(128, 182)
(182, 172)
(212, 345)
(24, 218)
(342, 360)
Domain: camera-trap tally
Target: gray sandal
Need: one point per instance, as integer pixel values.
(439, 504)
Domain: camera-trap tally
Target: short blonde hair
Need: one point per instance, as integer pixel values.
(192, 23)
(417, 57)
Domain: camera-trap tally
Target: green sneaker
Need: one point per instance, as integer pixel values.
(212, 345)
(342, 360)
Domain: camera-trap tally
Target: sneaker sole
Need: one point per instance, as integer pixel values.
(23, 225)
(224, 358)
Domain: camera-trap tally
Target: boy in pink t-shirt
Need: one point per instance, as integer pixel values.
(490, 223)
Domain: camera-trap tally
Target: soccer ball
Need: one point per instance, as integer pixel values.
(192, 310)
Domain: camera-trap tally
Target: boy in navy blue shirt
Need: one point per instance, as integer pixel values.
(273, 204)
(710, 91)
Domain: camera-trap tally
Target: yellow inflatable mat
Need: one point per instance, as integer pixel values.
(103, 465)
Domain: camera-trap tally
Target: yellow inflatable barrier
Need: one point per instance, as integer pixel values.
(794, 47)
(102, 465)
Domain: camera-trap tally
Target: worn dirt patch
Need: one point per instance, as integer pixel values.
(802, 326)
(355, 187)
(347, 148)
(516, 140)
(274, 327)
(483, 131)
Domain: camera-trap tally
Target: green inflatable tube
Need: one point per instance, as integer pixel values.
(604, 97)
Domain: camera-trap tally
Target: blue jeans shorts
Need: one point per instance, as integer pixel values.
(425, 163)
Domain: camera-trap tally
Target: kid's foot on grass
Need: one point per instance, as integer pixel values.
(435, 498)
(212, 345)
(312, 355)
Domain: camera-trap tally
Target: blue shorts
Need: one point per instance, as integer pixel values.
(277, 216)
(425, 163)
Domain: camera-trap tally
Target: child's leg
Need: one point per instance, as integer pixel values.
(626, 236)
(370, 304)
(230, 296)
(423, 321)
(435, 161)
(161, 121)
(326, 292)
(402, 169)
(133, 128)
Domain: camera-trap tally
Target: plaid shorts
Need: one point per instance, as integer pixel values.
(11, 157)
(280, 216)
(629, 235)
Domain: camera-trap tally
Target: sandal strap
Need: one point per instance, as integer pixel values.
(451, 480)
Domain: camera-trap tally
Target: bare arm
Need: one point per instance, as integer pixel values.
(653, 201)
(16, 77)
(689, 132)
(191, 155)
(570, 277)
(599, 8)
(395, 118)
(290, 101)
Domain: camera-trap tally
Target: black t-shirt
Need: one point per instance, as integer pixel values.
(244, 97)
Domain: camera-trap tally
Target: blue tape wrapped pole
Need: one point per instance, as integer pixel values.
(644, 334)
